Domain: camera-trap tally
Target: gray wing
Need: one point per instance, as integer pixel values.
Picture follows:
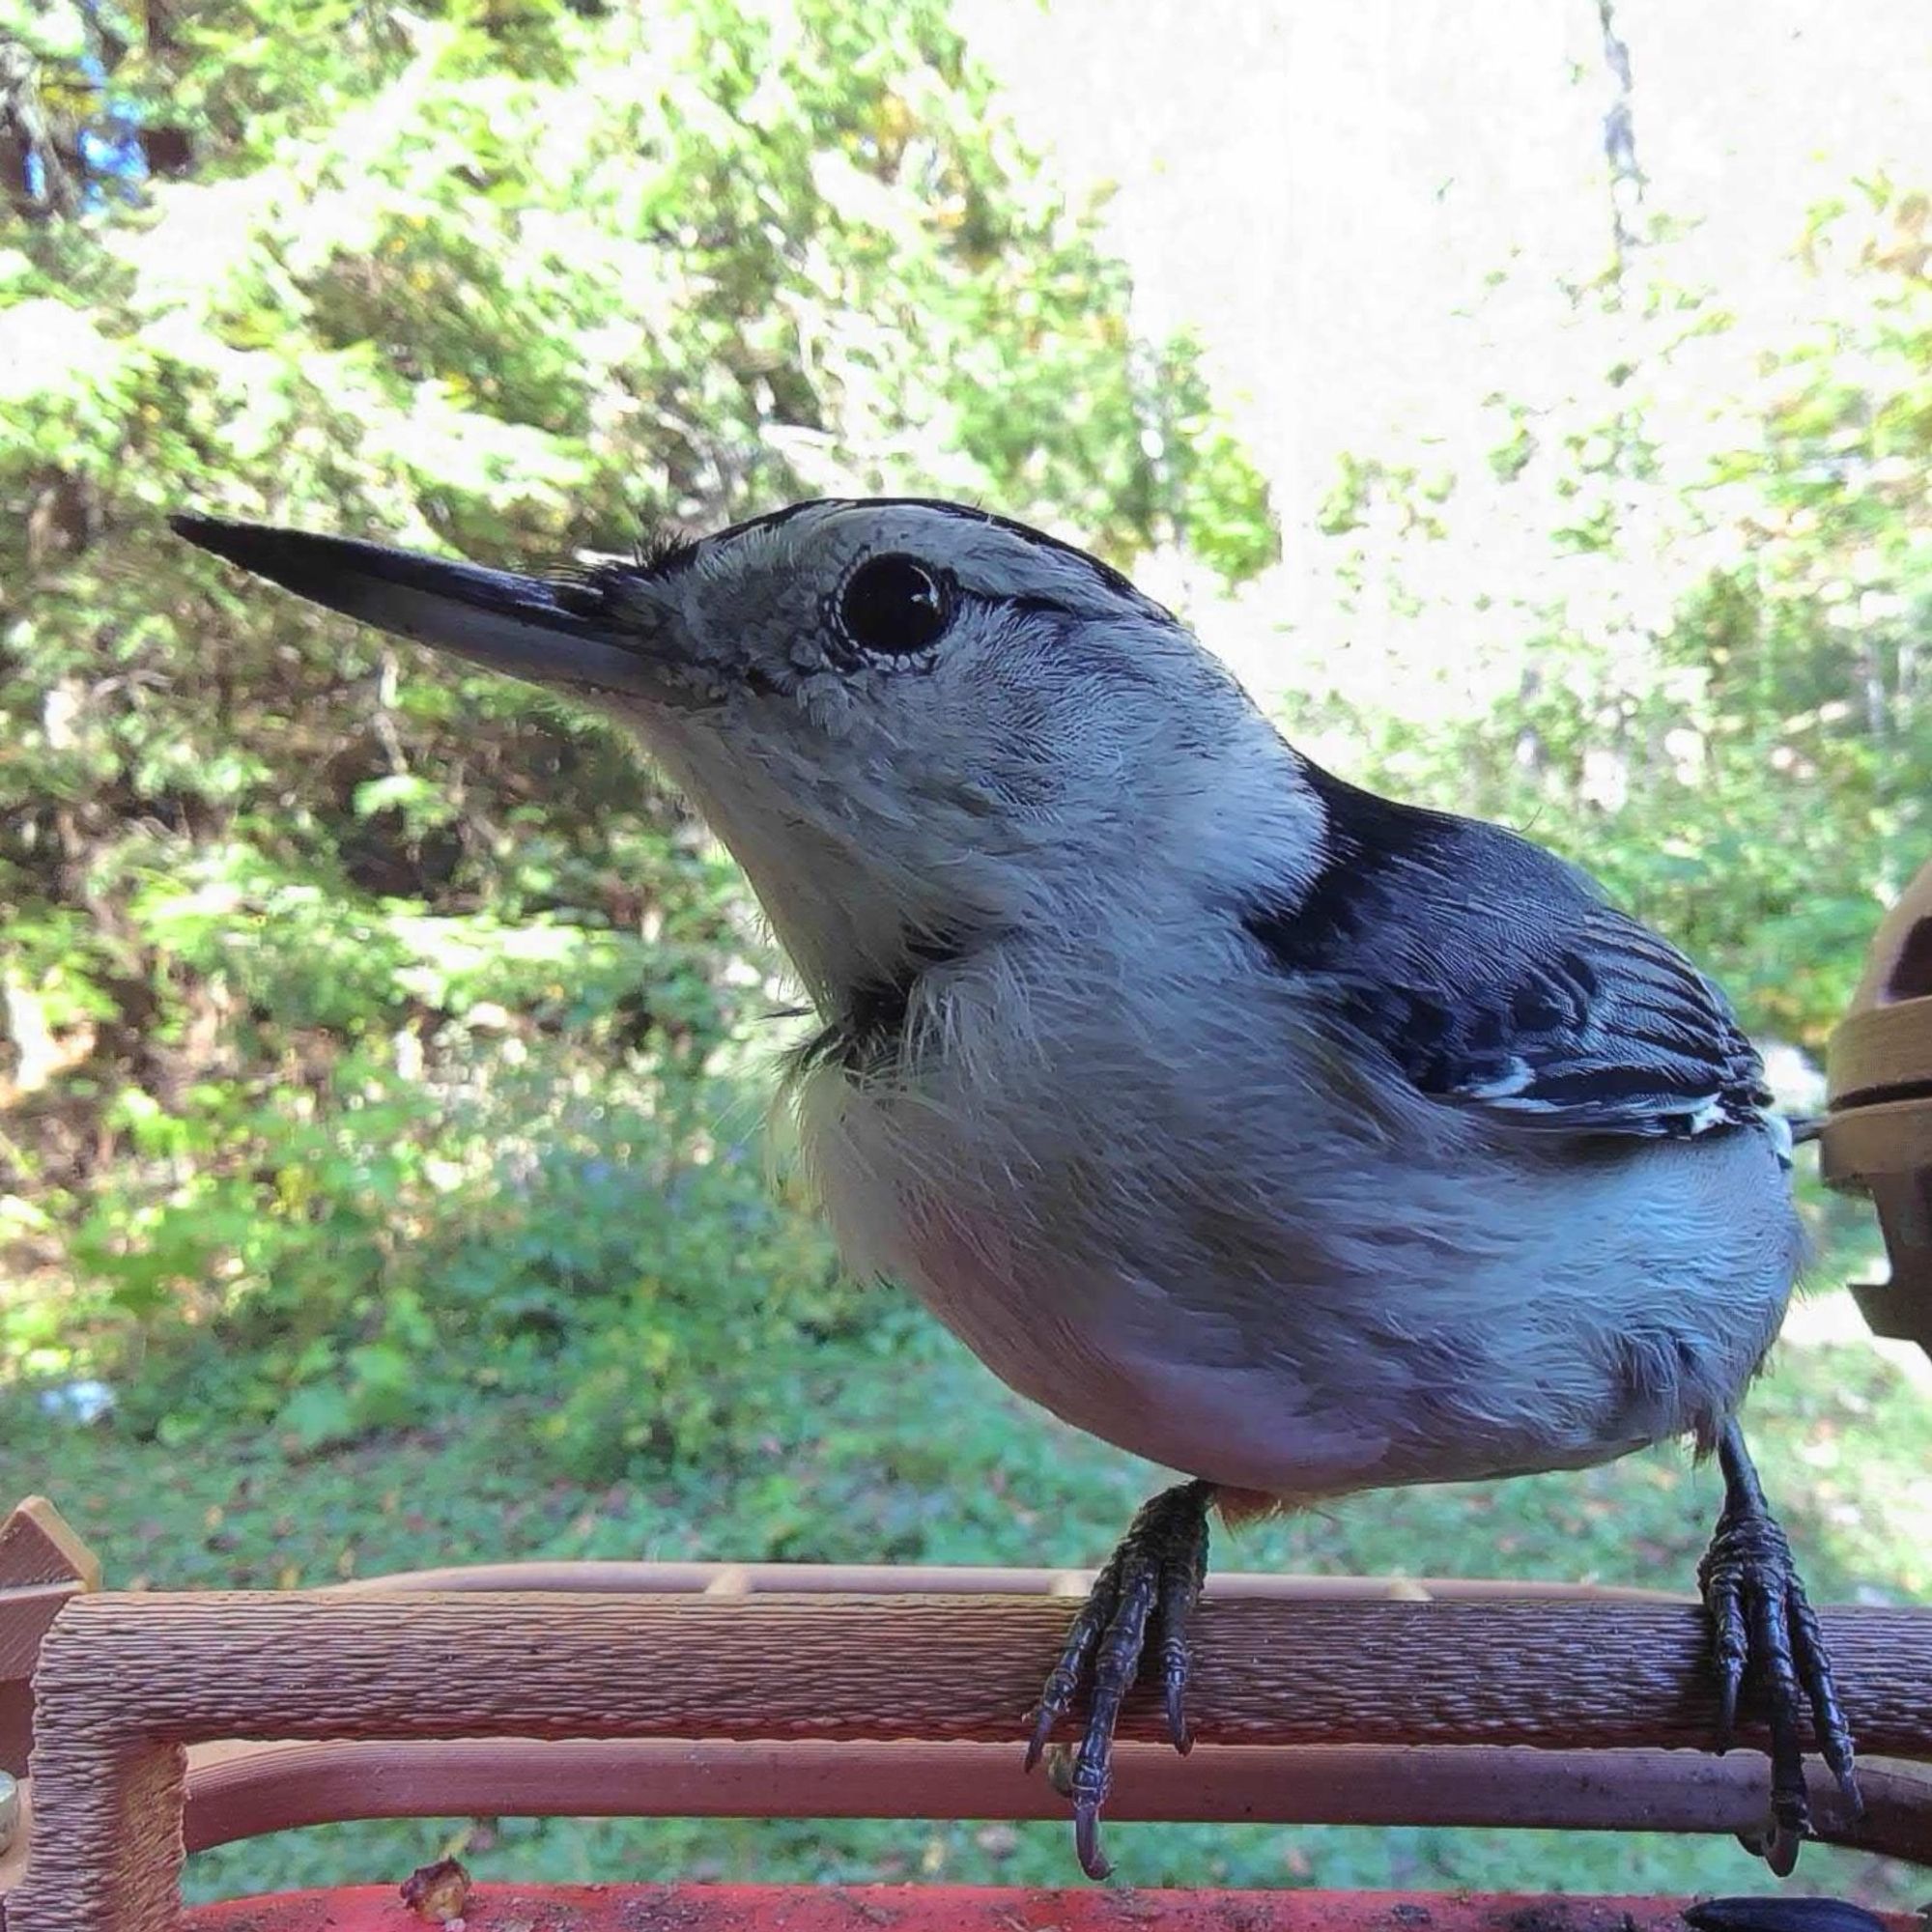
(1495, 976)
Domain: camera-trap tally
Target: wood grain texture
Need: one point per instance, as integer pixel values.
(39, 1546)
(317, 1665)
(125, 1681)
(43, 1563)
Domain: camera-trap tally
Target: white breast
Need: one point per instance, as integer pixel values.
(1253, 1275)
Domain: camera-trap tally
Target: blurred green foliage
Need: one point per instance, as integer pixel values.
(381, 1048)
(363, 1014)
(1714, 689)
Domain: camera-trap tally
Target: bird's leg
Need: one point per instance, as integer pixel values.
(1154, 1578)
(1763, 1626)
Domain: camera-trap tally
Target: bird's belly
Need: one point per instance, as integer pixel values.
(1101, 1354)
(1307, 1344)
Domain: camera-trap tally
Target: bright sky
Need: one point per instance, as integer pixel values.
(1324, 192)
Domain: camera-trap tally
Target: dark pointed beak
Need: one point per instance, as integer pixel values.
(551, 632)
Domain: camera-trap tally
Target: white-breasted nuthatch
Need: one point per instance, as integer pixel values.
(1295, 1139)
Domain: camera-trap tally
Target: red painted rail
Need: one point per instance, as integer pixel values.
(758, 1907)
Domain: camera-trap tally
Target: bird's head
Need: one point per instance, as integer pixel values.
(912, 722)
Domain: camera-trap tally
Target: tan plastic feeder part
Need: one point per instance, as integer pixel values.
(1876, 1140)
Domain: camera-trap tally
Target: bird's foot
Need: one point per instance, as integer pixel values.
(1762, 1626)
(1151, 1584)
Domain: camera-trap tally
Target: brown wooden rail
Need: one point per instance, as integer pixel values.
(43, 1563)
(243, 1791)
(126, 1682)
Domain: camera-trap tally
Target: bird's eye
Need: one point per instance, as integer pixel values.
(895, 605)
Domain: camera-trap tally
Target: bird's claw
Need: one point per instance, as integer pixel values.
(1763, 1626)
(1153, 1579)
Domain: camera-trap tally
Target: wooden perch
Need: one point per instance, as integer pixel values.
(43, 1563)
(126, 1681)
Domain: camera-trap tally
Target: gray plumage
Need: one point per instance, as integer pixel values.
(1294, 1138)
(1290, 1137)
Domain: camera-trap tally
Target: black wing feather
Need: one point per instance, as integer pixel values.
(1496, 975)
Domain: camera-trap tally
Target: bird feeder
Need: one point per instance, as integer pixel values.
(1877, 1138)
(167, 1723)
